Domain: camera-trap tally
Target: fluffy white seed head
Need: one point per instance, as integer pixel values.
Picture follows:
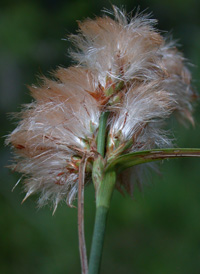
(54, 133)
(123, 66)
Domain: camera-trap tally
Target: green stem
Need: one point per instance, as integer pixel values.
(102, 206)
(98, 239)
(104, 185)
(101, 137)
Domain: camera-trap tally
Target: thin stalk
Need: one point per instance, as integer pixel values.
(101, 137)
(98, 239)
(104, 185)
(102, 206)
(81, 234)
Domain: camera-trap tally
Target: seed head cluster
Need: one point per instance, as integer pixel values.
(123, 66)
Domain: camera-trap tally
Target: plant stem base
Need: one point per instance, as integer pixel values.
(98, 239)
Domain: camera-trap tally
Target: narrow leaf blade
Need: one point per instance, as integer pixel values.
(141, 157)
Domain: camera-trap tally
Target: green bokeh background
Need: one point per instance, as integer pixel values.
(158, 231)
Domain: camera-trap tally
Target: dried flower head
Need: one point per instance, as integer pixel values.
(124, 66)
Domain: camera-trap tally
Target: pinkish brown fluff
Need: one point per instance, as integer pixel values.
(123, 66)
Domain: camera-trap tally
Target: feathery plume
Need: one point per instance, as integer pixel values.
(123, 66)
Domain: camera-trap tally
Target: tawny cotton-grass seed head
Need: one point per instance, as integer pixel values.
(53, 134)
(124, 66)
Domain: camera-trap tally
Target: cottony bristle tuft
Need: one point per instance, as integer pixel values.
(124, 66)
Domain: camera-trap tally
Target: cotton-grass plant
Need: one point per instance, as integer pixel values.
(101, 118)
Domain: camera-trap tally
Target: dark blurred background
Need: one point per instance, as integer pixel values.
(155, 232)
